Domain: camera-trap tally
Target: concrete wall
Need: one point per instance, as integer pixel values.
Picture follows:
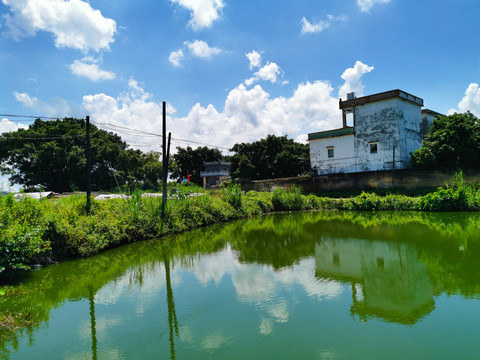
(410, 129)
(404, 179)
(344, 158)
(389, 123)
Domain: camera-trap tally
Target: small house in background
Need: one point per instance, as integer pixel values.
(215, 172)
(379, 132)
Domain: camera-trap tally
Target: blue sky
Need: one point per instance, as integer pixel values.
(231, 71)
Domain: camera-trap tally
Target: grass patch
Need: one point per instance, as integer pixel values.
(50, 230)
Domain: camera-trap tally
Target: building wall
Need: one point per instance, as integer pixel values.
(411, 134)
(344, 159)
(377, 121)
(427, 121)
(373, 180)
(388, 123)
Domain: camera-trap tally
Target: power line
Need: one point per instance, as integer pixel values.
(158, 135)
(44, 137)
(118, 128)
(29, 117)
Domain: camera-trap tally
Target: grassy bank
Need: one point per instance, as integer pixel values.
(40, 232)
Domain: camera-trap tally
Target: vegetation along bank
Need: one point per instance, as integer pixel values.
(40, 232)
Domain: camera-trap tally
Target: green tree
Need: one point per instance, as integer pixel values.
(190, 161)
(452, 142)
(272, 157)
(51, 155)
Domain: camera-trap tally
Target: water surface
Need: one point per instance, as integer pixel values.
(319, 285)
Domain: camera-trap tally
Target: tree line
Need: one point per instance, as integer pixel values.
(51, 155)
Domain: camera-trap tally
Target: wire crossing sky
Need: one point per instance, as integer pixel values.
(231, 71)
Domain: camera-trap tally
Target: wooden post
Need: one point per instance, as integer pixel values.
(89, 168)
(164, 158)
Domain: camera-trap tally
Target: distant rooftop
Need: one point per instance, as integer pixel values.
(431, 112)
(330, 133)
(380, 96)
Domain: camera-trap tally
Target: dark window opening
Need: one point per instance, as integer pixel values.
(373, 148)
(336, 259)
(330, 153)
(381, 263)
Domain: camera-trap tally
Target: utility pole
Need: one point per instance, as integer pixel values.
(164, 158)
(168, 148)
(89, 168)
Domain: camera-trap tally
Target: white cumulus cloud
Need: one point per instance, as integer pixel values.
(88, 68)
(471, 100)
(8, 126)
(309, 28)
(176, 57)
(201, 49)
(197, 48)
(269, 72)
(255, 59)
(248, 114)
(134, 109)
(366, 5)
(353, 79)
(204, 12)
(74, 23)
(56, 107)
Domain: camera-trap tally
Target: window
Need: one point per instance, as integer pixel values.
(336, 258)
(349, 119)
(330, 153)
(374, 148)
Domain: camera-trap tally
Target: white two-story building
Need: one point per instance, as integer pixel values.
(379, 132)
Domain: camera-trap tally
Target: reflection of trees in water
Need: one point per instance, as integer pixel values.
(448, 244)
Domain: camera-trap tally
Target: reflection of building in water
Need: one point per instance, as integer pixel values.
(388, 280)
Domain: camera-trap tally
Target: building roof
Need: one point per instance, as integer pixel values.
(379, 97)
(330, 133)
(431, 112)
(212, 163)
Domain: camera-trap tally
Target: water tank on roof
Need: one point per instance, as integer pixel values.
(350, 96)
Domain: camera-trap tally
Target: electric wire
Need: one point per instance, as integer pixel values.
(29, 117)
(109, 127)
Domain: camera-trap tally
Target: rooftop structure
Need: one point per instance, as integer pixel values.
(379, 132)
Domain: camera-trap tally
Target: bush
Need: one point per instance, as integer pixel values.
(21, 234)
(232, 194)
(287, 200)
(364, 201)
(458, 197)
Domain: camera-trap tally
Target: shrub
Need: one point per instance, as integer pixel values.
(232, 194)
(458, 197)
(364, 201)
(287, 200)
(21, 234)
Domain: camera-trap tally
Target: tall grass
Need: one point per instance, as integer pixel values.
(39, 232)
(459, 196)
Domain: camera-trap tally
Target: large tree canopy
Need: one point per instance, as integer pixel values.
(190, 161)
(272, 157)
(452, 141)
(51, 155)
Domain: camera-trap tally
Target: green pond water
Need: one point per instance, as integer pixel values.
(315, 285)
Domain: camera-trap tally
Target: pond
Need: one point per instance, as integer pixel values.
(314, 285)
